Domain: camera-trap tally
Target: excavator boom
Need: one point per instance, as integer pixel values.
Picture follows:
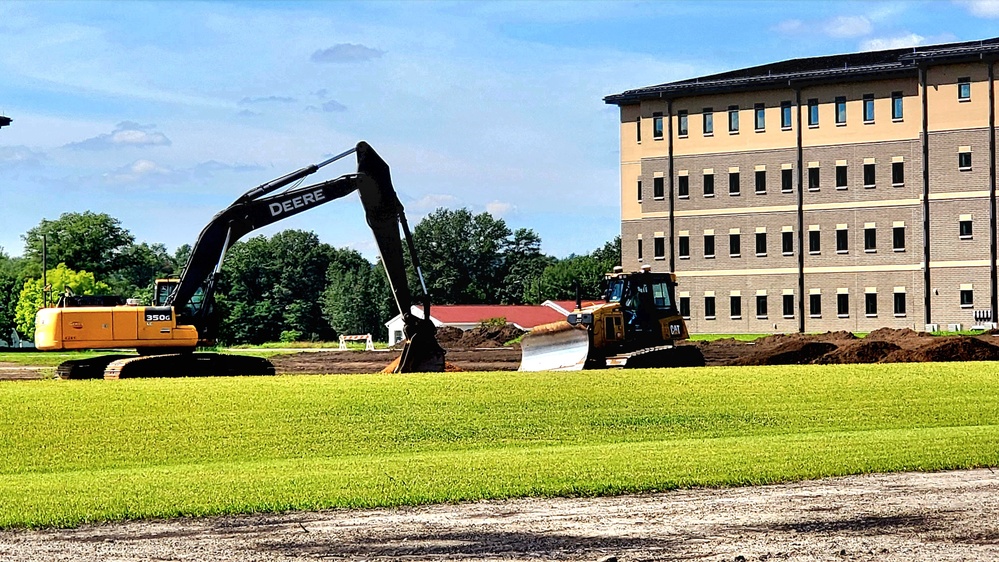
(186, 317)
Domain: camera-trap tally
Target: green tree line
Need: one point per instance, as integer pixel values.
(292, 286)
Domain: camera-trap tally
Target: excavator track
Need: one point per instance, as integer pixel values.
(163, 366)
(90, 368)
(188, 365)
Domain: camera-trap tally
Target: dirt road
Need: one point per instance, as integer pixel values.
(946, 516)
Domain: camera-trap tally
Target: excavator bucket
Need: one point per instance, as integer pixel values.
(421, 353)
(558, 346)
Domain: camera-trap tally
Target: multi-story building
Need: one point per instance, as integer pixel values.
(847, 192)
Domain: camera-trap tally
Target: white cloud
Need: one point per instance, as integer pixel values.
(981, 8)
(499, 208)
(266, 99)
(882, 43)
(789, 26)
(848, 26)
(20, 157)
(345, 53)
(432, 201)
(140, 171)
(125, 134)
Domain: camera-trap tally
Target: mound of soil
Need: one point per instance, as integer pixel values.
(799, 352)
(447, 335)
(863, 351)
(482, 336)
(904, 338)
(947, 349)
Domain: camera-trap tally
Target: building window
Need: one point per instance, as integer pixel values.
(964, 89)
(843, 305)
(734, 245)
(787, 180)
(709, 245)
(761, 181)
(761, 244)
(813, 112)
(896, 106)
(841, 110)
(813, 179)
(868, 108)
(681, 123)
(733, 118)
(685, 307)
(787, 242)
(735, 307)
(709, 185)
(964, 160)
(815, 305)
(761, 306)
(899, 302)
(639, 191)
(733, 183)
(657, 126)
(842, 241)
(869, 176)
(785, 115)
(683, 247)
(787, 303)
(639, 249)
(871, 304)
(814, 242)
(967, 298)
(683, 187)
(659, 247)
(638, 130)
(709, 308)
(897, 174)
(759, 112)
(841, 177)
(964, 230)
(709, 121)
(898, 238)
(870, 239)
(659, 187)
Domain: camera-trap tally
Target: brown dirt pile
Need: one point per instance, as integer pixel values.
(947, 349)
(482, 336)
(863, 351)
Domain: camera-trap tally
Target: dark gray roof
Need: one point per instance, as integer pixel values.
(816, 70)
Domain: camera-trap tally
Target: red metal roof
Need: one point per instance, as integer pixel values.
(524, 316)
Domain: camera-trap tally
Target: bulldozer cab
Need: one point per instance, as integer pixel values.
(644, 298)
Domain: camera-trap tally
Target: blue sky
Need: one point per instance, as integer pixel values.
(162, 113)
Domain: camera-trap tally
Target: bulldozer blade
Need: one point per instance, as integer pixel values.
(421, 354)
(559, 346)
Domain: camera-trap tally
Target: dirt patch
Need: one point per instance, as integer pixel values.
(863, 351)
(944, 516)
(947, 349)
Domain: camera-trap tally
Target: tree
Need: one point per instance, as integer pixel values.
(32, 296)
(462, 255)
(275, 285)
(523, 263)
(140, 265)
(356, 301)
(83, 241)
(558, 280)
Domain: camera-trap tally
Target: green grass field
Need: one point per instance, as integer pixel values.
(84, 451)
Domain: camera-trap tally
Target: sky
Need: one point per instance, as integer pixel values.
(161, 114)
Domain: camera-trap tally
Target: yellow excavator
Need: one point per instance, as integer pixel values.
(183, 316)
(636, 326)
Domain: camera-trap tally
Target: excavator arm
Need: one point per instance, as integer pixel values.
(256, 209)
